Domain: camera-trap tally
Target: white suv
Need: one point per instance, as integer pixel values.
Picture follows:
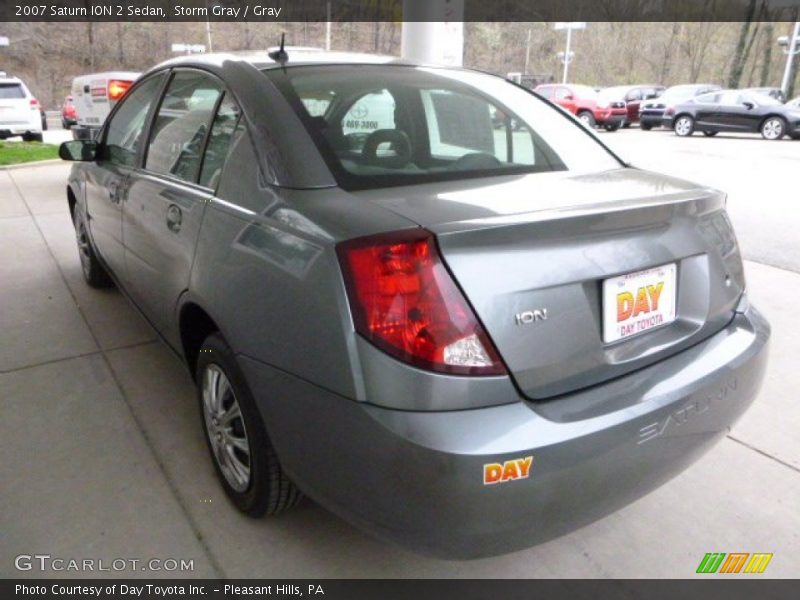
(19, 111)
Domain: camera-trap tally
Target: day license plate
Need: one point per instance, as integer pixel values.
(638, 302)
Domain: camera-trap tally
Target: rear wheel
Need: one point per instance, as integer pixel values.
(710, 133)
(587, 118)
(33, 137)
(684, 126)
(93, 272)
(610, 127)
(646, 126)
(244, 459)
(773, 128)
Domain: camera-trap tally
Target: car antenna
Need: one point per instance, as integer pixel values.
(280, 55)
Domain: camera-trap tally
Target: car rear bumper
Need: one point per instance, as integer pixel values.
(653, 119)
(416, 478)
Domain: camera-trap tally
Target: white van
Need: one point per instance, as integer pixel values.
(94, 96)
(19, 111)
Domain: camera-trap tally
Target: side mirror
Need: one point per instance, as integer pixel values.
(748, 105)
(78, 150)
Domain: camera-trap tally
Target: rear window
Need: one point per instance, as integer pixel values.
(11, 91)
(384, 126)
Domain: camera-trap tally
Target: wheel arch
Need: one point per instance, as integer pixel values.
(195, 324)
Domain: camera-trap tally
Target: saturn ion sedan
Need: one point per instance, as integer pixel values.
(463, 335)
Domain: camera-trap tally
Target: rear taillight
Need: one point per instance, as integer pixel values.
(34, 104)
(405, 302)
(117, 88)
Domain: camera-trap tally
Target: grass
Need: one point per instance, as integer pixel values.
(12, 153)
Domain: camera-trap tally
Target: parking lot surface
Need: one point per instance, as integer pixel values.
(104, 455)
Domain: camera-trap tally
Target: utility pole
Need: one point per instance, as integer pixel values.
(791, 47)
(527, 53)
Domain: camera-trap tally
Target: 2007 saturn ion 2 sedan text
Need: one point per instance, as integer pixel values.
(427, 298)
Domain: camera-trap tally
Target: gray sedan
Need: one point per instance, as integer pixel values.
(424, 297)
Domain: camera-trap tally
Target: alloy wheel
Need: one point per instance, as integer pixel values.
(84, 250)
(225, 428)
(773, 129)
(683, 126)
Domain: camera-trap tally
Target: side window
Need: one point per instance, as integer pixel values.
(562, 93)
(708, 99)
(634, 95)
(546, 92)
(180, 126)
(369, 113)
(460, 125)
(223, 129)
(729, 98)
(124, 131)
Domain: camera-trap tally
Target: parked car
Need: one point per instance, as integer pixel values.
(772, 92)
(735, 111)
(94, 96)
(69, 116)
(651, 112)
(462, 338)
(632, 96)
(585, 103)
(19, 111)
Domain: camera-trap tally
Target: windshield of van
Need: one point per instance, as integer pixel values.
(379, 126)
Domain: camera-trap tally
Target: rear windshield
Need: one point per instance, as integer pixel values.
(11, 91)
(379, 126)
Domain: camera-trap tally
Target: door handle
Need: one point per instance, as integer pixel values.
(174, 218)
(113, 192)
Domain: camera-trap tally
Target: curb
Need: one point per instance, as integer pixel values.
(32, 163)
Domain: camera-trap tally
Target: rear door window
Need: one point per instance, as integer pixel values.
(224, 128)
(181, 125)
(11, 91)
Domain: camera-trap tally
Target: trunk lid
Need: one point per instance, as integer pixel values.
(547, 242)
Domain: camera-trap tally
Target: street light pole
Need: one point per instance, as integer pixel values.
(792, 49)
(569, 26)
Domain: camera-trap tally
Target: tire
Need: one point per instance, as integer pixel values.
(253, 479)
(32, 137)
(587, 118)
(645, 126)
(684, 126)
(94, 273)
(710, 133)
(627, 125)
(610, 127)
(795, 136)
(773, 128)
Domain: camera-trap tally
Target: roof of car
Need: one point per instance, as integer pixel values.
(298, 56)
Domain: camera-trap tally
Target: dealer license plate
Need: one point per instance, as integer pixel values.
(638, 302)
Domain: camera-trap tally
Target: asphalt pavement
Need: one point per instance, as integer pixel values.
(103, 454)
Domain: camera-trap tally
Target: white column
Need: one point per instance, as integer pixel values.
(433, 32)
